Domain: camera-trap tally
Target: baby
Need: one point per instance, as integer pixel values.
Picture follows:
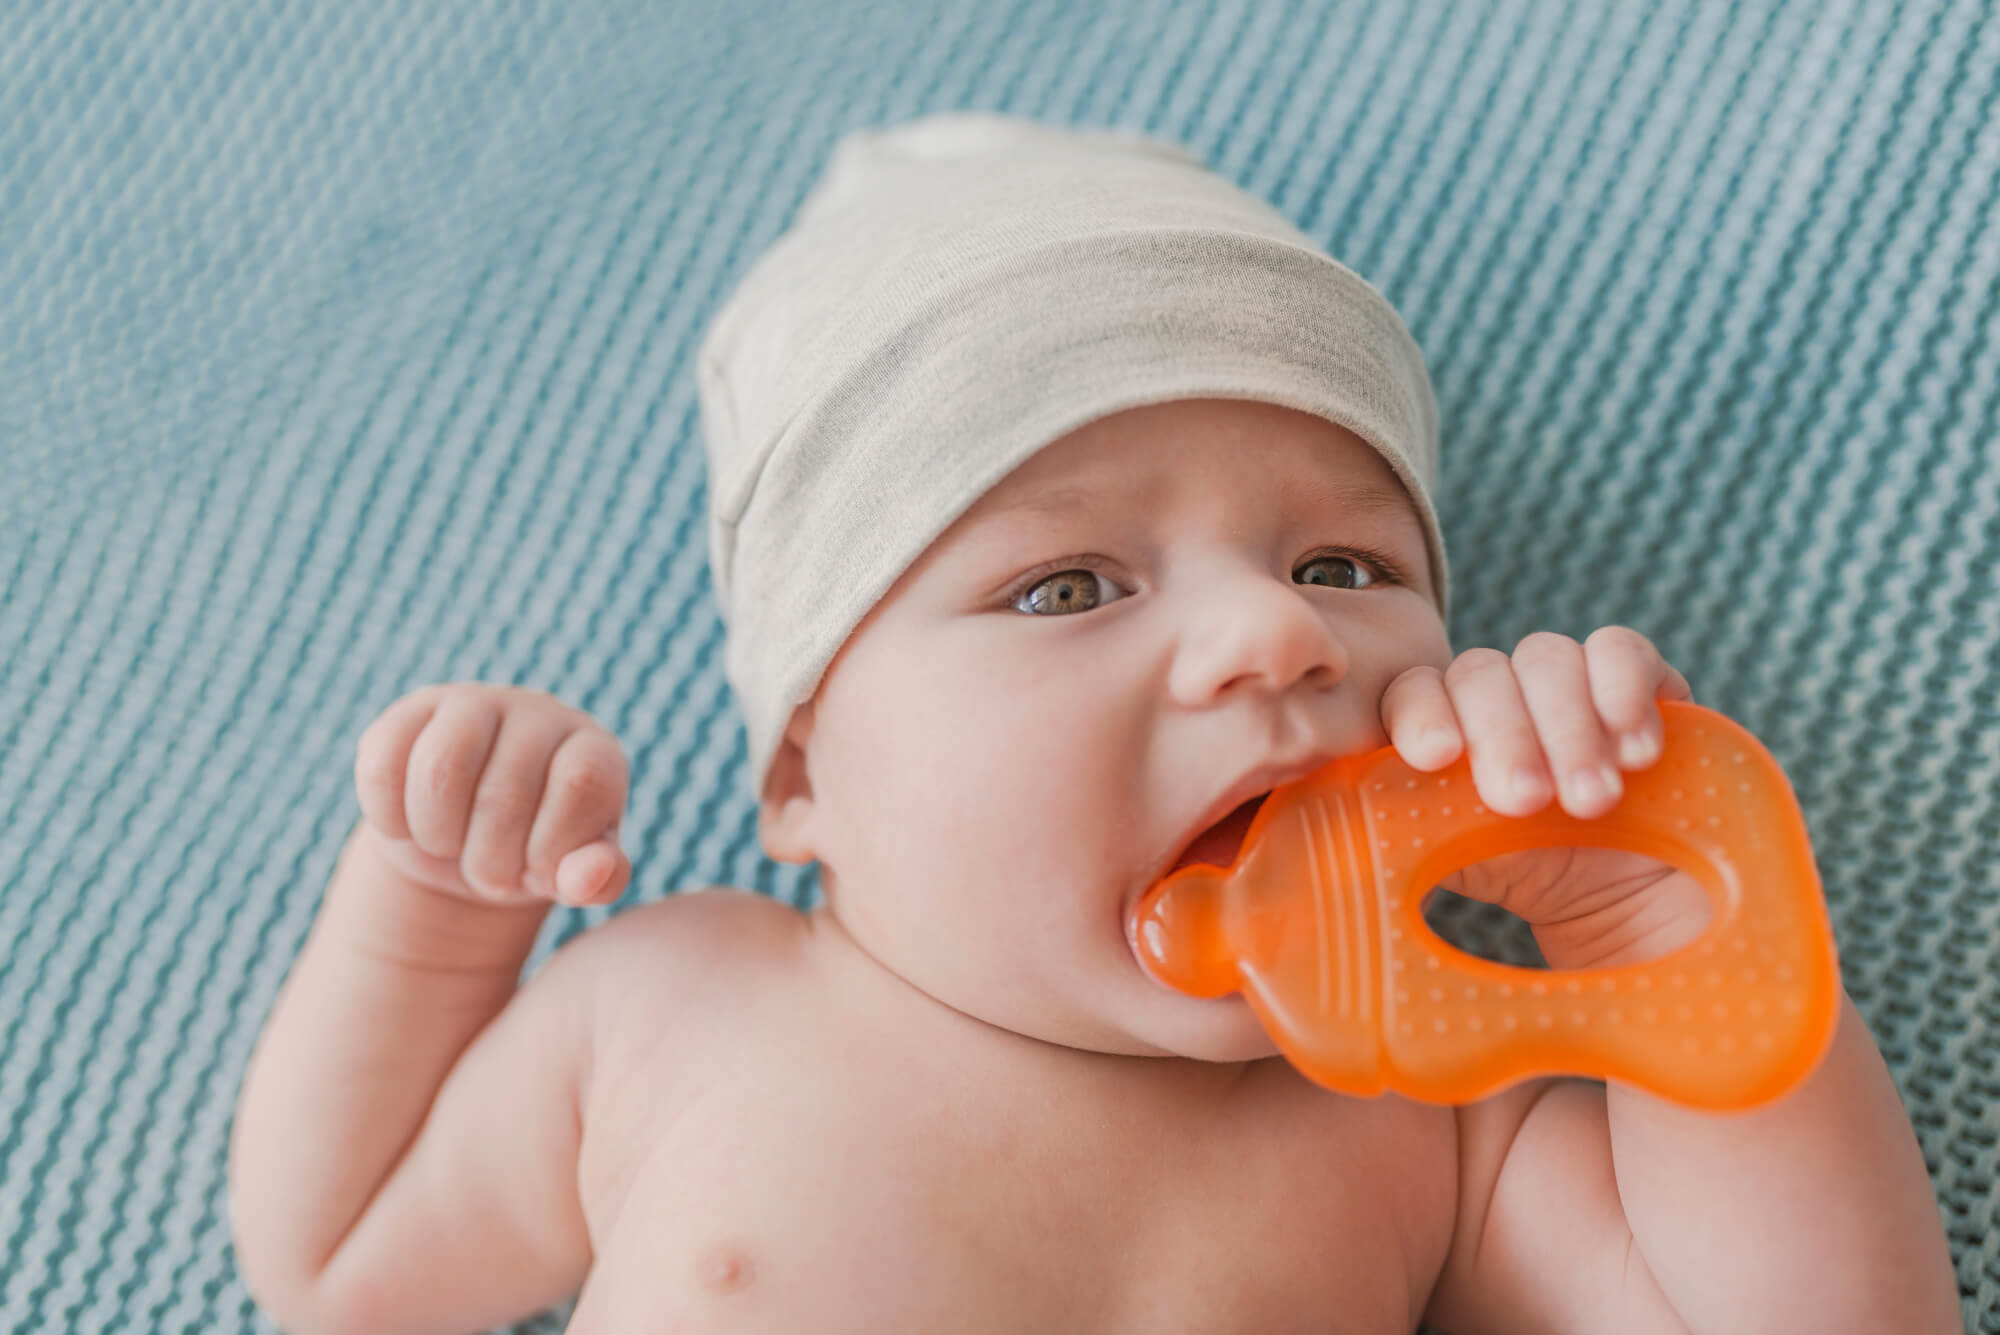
(1065, 500)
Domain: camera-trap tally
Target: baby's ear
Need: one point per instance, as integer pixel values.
(788, 795)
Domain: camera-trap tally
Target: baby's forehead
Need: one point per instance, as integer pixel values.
(1126, 461)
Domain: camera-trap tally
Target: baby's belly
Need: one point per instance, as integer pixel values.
(762, 1212)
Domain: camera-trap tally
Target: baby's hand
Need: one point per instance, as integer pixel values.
(1559, 718)
(498, 795)
(1579, 712)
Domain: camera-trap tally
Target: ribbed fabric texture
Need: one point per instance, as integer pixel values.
(345, 348)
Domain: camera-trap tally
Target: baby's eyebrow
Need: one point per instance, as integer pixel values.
(1051, 500)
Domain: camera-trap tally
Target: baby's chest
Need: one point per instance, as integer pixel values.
(808, 1199)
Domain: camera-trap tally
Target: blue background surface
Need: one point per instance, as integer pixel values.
(348, 347)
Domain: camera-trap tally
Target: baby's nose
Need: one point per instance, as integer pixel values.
(1257, 633)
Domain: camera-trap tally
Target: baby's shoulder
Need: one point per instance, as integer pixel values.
(662, 966)
(686, 939)
(674, 985)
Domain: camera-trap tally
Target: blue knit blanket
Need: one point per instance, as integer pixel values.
(348, 347)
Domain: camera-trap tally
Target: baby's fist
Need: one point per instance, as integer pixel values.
(495, 794)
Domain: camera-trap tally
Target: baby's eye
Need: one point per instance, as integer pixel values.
(1065, 591)
(1326, 569)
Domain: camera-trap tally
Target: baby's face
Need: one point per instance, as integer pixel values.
(1025, 733)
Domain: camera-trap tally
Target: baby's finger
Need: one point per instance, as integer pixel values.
(1627, 676)
(1417, 715)
(585, 797)
(597, 873)
(445, 765)
(1555, 682)
(1507, 765)
(382, 760)
(495, 858)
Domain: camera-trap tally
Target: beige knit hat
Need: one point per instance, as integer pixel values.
(960, 290)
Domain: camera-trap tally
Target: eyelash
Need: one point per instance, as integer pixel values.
(1390, 571)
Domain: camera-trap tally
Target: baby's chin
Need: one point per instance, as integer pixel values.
(1221, 1030)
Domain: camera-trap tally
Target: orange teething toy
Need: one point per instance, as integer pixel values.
(1319, 923)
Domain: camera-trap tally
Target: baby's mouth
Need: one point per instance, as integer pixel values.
(1217, 846)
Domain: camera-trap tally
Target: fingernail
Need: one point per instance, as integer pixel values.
(1594, 785)
(1438, 742)
(1636, 749)
(1528, 783)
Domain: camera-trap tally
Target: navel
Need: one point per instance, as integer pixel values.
(723, 1268)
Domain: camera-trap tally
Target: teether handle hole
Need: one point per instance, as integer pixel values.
(1483, 930)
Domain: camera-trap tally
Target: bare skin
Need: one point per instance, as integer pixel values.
(887, 1163)
(950, 1097)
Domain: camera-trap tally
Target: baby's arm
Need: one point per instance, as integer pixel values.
(1587, 1207)
(1813, 1213)
(405, 1150)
